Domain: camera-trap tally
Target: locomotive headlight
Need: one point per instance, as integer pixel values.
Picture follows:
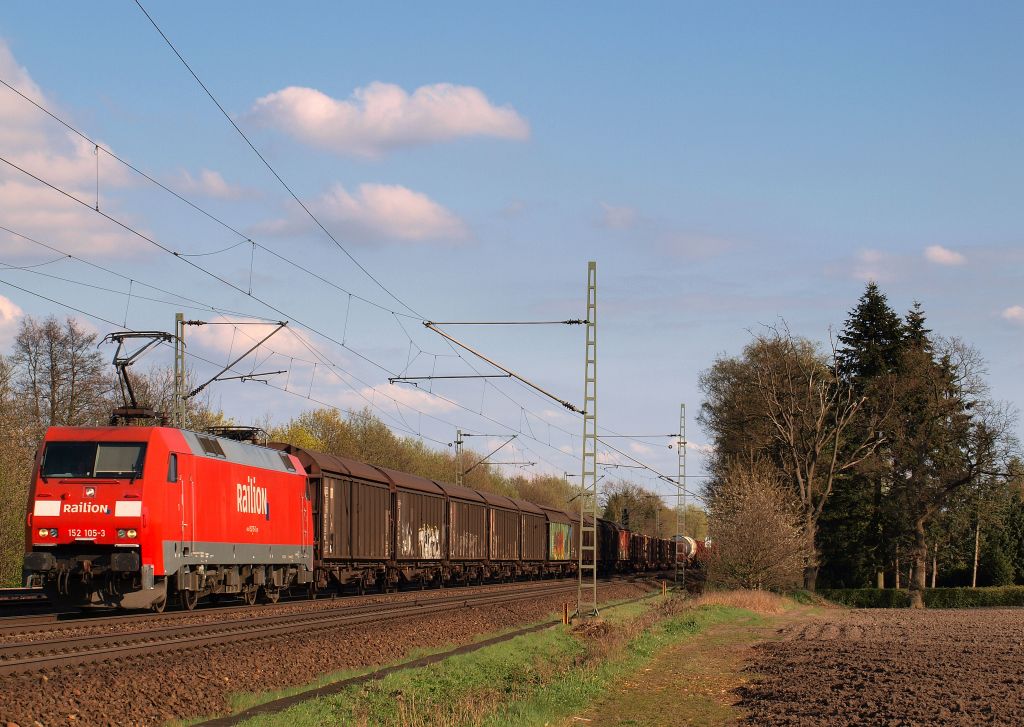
(120, 533)
(132, 533)
(43, 532)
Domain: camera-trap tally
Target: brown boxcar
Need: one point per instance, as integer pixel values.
(351, 507)
(533, 531)
(502, 527)
(419, 518)
(467, 524)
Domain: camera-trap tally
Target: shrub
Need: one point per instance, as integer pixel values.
(754, 523)
(995, 597)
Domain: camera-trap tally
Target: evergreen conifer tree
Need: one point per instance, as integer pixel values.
(853, 529)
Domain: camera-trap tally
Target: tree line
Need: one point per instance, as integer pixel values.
(56, 376)
(896, 461)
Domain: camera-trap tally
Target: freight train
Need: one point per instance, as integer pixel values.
(135, 517)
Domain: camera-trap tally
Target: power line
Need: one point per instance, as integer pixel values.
(267, 164)
(182, 198)
(118, 326)
(185, 256)
(570, 322)
(67, 255)
(245, 238)
(646, 466)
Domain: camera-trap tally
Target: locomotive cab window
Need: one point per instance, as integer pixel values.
(112, 460)
(172, 467)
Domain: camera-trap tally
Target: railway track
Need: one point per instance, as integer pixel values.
(75, 650)
(20, 601)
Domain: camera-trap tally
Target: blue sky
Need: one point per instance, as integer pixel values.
(726, 164)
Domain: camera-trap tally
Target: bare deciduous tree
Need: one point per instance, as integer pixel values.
(809, 410)
(756, 530)
(60, 374)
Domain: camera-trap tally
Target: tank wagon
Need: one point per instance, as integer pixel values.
(138, 516)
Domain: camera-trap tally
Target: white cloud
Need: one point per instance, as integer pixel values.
(211, 184)
(378, 212)
(617, 218)
(37, 144)
(943, 256)
(1014, 314)
(10, 315)
(383, 116)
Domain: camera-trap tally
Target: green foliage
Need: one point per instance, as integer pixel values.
(806, 598)
(854, 530)
(362, 436)
(995, 597)
(996, 565)
(867, 597)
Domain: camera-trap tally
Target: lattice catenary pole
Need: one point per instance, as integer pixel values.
(681, 498)
(586, 596)
(180, 379)
(459, 472)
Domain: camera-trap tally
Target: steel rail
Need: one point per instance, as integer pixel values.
(84, 619)
(47, 654)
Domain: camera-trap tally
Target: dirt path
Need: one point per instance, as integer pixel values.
(691, 683)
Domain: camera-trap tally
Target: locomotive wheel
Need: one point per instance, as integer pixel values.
(159, 606)
(249, 596)
(189, 599)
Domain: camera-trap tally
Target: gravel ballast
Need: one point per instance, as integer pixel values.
(151, 690)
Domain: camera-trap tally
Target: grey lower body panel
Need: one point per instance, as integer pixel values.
(233, 554)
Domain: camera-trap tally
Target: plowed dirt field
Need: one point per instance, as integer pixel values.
(892, 667)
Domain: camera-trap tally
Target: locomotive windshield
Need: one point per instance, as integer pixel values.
(93, 460)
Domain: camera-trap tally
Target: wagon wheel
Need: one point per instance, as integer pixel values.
(189, 599)
(361, 586)
(314, 590)
(249, 596)
(271, 595)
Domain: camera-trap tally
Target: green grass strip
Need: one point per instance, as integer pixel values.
(531, 679)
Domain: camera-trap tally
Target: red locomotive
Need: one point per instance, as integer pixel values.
(120, 516)
(137, 516)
